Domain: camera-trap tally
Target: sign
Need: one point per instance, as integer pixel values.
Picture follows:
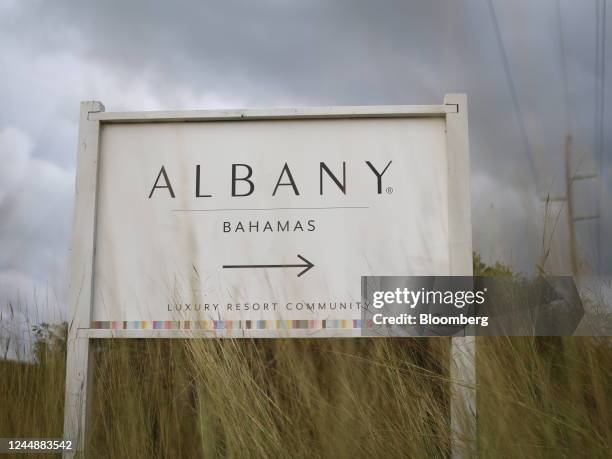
(264, 228)
(258, 223)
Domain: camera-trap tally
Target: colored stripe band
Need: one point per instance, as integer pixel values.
(230, 324)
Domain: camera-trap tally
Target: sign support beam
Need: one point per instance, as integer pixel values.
(93, 115)
(81, 278)
(463, 350)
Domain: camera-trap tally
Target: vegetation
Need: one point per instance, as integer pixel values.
(537, 397)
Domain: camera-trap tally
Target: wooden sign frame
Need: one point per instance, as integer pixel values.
(93, 117)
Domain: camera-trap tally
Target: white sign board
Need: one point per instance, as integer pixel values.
(259, 223)
(216, 226)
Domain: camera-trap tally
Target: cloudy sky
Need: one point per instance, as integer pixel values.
(530, 70)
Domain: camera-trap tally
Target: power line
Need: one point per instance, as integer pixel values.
(563, 66)
(602, 114)
(600, 97)
(601, 74)
(596, 92)
(513, 93)
(598, 128)
(600, 69)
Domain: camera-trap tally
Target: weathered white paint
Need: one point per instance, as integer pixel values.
(378, 111)
(463, 352)
(81, 279)
(160, 251)
(146, 249)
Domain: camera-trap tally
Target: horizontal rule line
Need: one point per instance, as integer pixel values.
(271, 208)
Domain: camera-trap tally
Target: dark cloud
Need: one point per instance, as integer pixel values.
(341, 52)
(187, 54)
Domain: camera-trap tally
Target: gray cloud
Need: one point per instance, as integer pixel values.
(154, 55)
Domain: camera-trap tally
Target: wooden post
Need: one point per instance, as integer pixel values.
(463, 400)
(463, 352)
(81, 278)
(569, 182)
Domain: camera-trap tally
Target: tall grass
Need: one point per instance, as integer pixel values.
(339, 398)
(537, 397)
(544, 397)
(271, 398)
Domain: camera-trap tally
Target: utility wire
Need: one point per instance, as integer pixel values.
(517, 109)
(600, 102)
(596, 92)
(602, 76)
(563, 67)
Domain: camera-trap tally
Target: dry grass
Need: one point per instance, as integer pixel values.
(545, 397)
(537, 397)
(271, 398)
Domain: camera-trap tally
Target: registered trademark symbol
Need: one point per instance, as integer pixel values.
(389, 190)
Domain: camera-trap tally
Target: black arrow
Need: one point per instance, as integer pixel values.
(307, 265)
